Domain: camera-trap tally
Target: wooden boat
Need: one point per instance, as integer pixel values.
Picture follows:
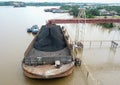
(44, 61)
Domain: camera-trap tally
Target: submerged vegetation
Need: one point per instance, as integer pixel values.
(119, 27)
(107, 25)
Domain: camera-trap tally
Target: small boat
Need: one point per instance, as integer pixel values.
(49, 54)
(56, 10)
(34, 29)
(17, 5)
(50, 10)
(47, 10)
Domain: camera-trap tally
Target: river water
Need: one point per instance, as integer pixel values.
(14, 41)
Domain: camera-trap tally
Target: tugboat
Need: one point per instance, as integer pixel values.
(49, 54)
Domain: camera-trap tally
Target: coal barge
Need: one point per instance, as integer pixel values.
(49, 54)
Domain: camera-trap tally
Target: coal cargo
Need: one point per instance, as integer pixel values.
(50, 38)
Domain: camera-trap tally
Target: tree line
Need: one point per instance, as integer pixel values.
(90, 13)
(74, 10)
(111, 8)
(10, 3)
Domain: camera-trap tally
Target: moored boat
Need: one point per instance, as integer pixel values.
(48, 55)
(19, 4)
(34, 29)
(56, 10)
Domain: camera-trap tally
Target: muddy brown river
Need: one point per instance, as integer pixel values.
(101, 65)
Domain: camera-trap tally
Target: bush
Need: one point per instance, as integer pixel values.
(91, 13)
(119, 27)
(107, 25)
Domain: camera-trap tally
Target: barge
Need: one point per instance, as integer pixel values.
(49, 54)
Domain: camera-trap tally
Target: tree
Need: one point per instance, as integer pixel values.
(74, 10)
(90, 13)
(65, 7)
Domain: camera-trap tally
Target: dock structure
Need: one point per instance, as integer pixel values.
(101, 43)
(81, 20)
(91, 69)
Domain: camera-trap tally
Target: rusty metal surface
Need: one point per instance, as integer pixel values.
(64, 21)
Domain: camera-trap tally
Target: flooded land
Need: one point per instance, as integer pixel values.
(100, 62)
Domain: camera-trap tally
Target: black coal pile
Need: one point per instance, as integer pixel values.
(50, 38)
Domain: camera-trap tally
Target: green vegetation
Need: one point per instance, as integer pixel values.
(66, 7)
(90, 13)
(107, 25)
(119, 27)
(44, 4)
(111, 8)
(74, 10)
(10, 3)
